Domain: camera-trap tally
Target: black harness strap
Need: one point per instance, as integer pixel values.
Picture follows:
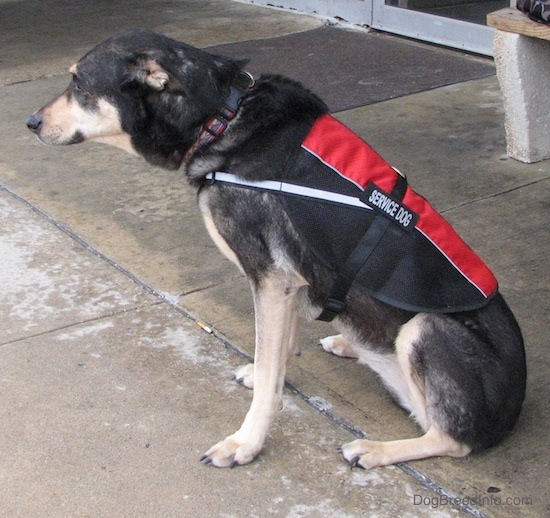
(335, 302)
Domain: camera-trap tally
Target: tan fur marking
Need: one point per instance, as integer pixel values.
(122, 141)
(338, 346)
(275, 303)
(213, 231)
(157, 78)
(64, 117)
(434, 443)
(415, 399)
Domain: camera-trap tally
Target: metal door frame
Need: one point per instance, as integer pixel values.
(397, 20)
(434, 29)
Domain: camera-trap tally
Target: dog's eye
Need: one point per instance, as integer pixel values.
(76, 84)
(80, 92)
(82, 95)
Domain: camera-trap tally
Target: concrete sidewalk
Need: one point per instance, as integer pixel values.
(112, 392)
(110, 396)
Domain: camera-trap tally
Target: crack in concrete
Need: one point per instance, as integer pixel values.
(494, 195)
(425, 481)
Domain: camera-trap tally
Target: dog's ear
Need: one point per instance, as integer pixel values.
(156, 77)
(228, 68)
(148, 72)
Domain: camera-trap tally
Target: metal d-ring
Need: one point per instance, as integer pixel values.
(250, 77)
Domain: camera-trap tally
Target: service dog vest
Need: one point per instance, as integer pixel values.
(360, 218)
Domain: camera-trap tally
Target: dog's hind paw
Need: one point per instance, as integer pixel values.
(365, 454)
(245, 375)
(229, 453)
(434, 443)
(338, 346)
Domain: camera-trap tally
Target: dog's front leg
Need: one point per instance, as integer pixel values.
(276, 322)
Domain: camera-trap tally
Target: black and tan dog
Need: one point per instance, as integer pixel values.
(323, 228)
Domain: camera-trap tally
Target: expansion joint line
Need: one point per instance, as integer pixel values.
(417, 475)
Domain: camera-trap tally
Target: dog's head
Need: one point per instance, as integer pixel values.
(139, 91)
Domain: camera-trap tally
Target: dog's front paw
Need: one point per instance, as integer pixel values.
(339, 346)
(365, 454)
(230, 453)
(245, 375)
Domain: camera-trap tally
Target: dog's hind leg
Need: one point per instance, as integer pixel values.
(276, 323)
(245, 375)
(434, 443)
(409, 389)
(338, 346)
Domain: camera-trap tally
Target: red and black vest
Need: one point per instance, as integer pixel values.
(359, 217)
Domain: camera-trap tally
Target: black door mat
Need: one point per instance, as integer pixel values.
(349, 68)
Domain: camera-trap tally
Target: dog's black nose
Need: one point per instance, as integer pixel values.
(34, 122)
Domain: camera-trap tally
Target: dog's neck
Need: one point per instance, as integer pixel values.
(213, 128)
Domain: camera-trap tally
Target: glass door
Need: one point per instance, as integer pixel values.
(454, 23)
